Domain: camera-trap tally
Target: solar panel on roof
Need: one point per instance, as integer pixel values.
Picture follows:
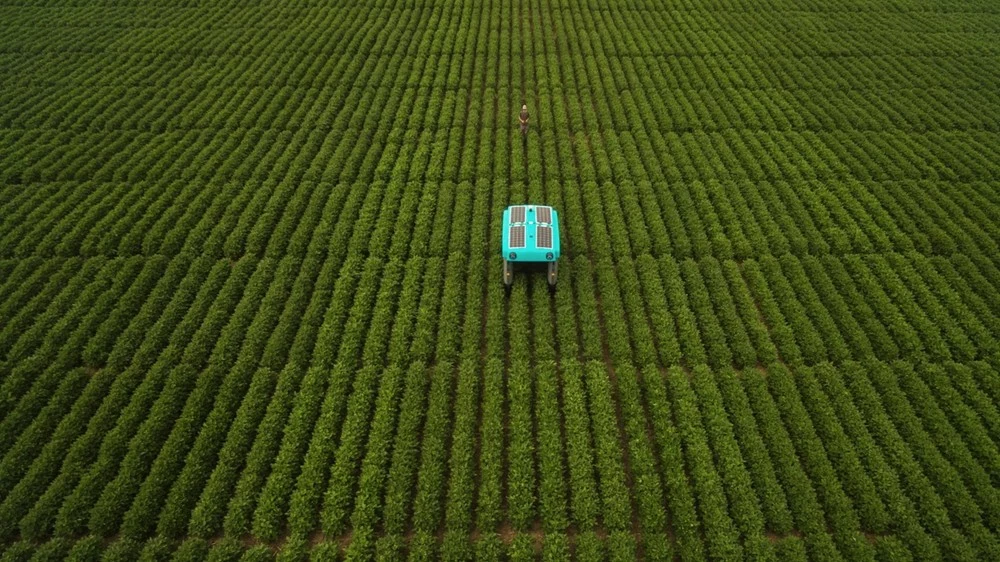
(543, 237)
(543, 214)
(517, 236)
(517, 214)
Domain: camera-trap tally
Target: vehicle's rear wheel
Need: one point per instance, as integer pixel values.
(553, 271)
(508, 274)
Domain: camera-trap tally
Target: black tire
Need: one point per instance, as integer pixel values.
(553, 274)
(508, 274)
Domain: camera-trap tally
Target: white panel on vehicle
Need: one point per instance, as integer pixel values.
(543, 236)
(517, 236)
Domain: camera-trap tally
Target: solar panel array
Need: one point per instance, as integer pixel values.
(517, 214)
(543, 214)
(543, 238)
(517, 236)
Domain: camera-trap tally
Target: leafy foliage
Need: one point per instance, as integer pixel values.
(250, 306)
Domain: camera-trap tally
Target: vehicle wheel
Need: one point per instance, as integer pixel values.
(553, 271)
(508, 274)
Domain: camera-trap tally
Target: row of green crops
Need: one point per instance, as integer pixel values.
(96, 312)
(724, 219)
(587, 546)
(860, 460)
(250, 298)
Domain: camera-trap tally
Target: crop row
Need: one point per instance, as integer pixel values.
(585, 546)
(397, 112)
(728, 221)
(208, 402)
(716, 455)
(370, 312)
(250, 306)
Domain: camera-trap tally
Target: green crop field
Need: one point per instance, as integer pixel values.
(250, 280)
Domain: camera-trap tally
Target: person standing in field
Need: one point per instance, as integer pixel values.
(524, 119)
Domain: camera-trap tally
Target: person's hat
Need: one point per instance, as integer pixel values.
(525, 106)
